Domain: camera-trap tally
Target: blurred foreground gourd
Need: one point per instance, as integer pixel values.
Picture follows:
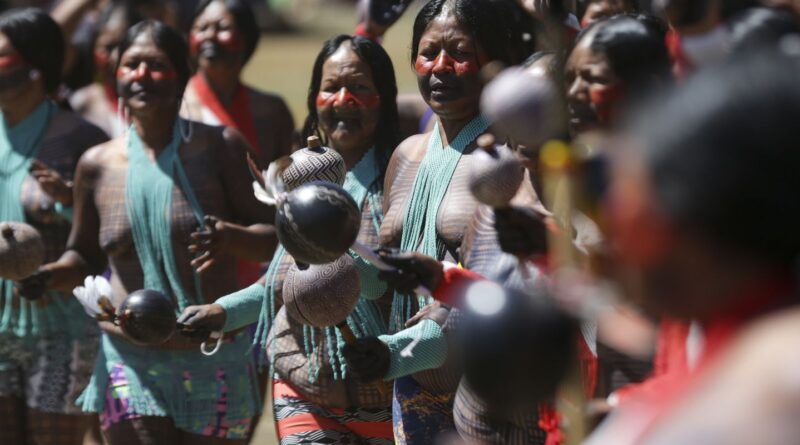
(21, 250)
(496, 173)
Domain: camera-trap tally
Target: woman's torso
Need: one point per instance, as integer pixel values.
(291, 361)
(115, 236)
(269, 115)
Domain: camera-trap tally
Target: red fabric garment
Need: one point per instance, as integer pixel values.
(588, 362)
(681, 65)
(670, 362)
(361, 30)
(111, 95)
(661, 394)
(550, 423)
(239, 115)
(454, 283)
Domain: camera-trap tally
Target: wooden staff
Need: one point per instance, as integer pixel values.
(557, 161)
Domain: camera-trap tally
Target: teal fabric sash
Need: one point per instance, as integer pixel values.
(157, 386)
(362, 182)
(19, 145)
(427, 192)
(148, 198)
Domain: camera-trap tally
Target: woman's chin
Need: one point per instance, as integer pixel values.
(454, 109)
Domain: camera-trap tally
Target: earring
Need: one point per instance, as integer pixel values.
(186, 123)
(34, 74)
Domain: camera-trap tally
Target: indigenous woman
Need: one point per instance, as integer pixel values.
(223, 38)
(139, 200)
(614, 63)
(428, 205)
(98, 103)
(316, 399)
(712, 247)
(47, 346)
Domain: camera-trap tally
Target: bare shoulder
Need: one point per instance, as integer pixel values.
(95, 159)
(412, 146)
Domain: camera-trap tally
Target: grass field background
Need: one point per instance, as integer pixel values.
(282, 64)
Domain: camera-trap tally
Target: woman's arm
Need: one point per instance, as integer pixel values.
(250, 234)
(84, 255)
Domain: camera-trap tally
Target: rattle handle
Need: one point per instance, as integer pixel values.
(350, 339)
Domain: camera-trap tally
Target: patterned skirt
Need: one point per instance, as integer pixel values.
(300, 421)
(420, 416)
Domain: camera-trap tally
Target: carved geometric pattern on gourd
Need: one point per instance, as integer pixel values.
(322, 295)
(308, 165)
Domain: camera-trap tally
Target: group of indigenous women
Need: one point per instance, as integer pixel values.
(692, 228)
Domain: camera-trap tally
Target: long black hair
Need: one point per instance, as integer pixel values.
(387, 135)
(496, 25)
(38, 39)
(245, 22)
(722, 156)
(635, 47)
(757, 28)
(166, 39)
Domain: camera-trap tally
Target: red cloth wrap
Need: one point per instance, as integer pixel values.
(238, 116)
(454, 284)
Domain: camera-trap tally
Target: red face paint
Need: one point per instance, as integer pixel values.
(8, 61)
(143, 72)
(605, 99)
(344, 96)
(101, 61)
(194, 42)
(445, 63)
(231, 40)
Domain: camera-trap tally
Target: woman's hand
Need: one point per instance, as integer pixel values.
(413, 269)
(52, 183)
(368, 359)
(435, 311)
(521, 231)
(210, 243)
(222, 237)
(199, 321)
(34, 286)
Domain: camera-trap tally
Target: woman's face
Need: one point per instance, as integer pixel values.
(146, 78)
(348, 104)
(448, 67)
(215, 39)
(592, 88)
(108, 40)
(14, 71)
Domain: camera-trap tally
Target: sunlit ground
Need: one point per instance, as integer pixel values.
(283, 65)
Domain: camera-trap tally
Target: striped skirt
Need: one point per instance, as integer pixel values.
(300, 421)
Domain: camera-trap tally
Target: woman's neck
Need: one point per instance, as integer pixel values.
(155, 129)
(352, 156)
(449, 128)
(15, 111)
(223, 82)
